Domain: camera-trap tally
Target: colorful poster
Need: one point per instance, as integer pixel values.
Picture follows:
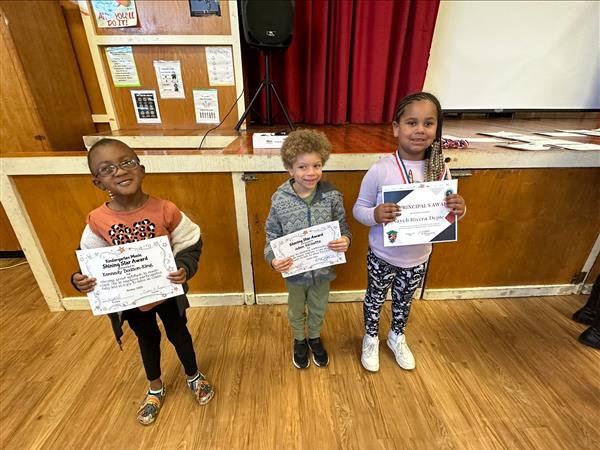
(206, 105)
(129, 275)
(145, 106)
(168, 76)
(115, 13)
(122, 66)
(219, 64)
(424, 217)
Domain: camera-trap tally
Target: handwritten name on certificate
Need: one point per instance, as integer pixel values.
(424, 217)
(129, 275)
(308, 248)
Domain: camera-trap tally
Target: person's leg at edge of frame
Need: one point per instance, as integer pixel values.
(317, 298)
(178, 334)
(146, 329)
(297, 319)
(405, 284)
(588, 312)
(591, 311)
(380, 277)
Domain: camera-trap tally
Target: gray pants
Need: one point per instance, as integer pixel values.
(316, 299)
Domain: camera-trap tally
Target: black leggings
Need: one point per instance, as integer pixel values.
(145, 327)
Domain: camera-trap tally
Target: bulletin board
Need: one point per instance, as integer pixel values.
(166, 31)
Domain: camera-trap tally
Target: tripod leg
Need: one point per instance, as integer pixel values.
(241, 121)
(272, 86)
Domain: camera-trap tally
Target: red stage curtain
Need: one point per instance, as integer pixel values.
(349, 61)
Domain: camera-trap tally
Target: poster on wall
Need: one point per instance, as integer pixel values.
(115, 13)
(206, 105)
(168, 76)
(122, 66)
(219, 65)
(145, 106)
(205, 8)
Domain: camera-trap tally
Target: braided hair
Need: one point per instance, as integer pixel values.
(434, 159)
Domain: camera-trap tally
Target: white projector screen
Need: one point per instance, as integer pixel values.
(516, 55)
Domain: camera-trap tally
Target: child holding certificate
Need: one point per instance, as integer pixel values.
(417, 126)
(301, 202)
(132, 215)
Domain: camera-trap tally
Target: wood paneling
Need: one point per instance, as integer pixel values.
(44, 47)
(18, 115)
(58, 207)
(84, 57)
(535, 387)
(8, 240)
(351, 276)
(175, 113)
(523, 227)
(159, 17)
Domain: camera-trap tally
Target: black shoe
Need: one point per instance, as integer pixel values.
(320, 356)
(300, 358)
(585, 316)
(590, 337)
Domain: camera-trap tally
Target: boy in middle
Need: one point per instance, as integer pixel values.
(301, 202)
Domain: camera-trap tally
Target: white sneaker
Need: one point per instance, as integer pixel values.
(370, 353)
(404, 356)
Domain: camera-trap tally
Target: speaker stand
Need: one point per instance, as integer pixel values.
(268, 85)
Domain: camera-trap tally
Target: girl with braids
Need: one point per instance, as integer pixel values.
(417, 126)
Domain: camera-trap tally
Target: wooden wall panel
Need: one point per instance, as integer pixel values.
(159, 17)
(523, 227)
(8, 240)
(351, 276)
(84, 57)
(175, 113)
(44, 48)
(18, 115)
(58, 206)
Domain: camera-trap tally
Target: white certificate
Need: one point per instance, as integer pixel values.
(424, 217)
(129, 275)
(308, 248)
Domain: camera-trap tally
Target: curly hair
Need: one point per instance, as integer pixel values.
(434, 158)
(304, 141)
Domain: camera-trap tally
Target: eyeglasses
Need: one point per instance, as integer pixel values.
(111, 169)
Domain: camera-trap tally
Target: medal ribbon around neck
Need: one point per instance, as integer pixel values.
(407, 176)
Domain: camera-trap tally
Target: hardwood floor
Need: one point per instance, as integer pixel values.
(490, 374)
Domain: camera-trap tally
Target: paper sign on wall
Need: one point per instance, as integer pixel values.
(206, 104)
(145, 106)
(219, 64)
(122, 66)
(168, 76)
(115, 13)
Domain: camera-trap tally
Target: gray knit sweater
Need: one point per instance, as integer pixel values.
(290, 213)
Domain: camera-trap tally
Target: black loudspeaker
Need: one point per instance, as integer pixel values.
(268, 24)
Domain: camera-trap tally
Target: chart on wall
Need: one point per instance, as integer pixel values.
(145, 106)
